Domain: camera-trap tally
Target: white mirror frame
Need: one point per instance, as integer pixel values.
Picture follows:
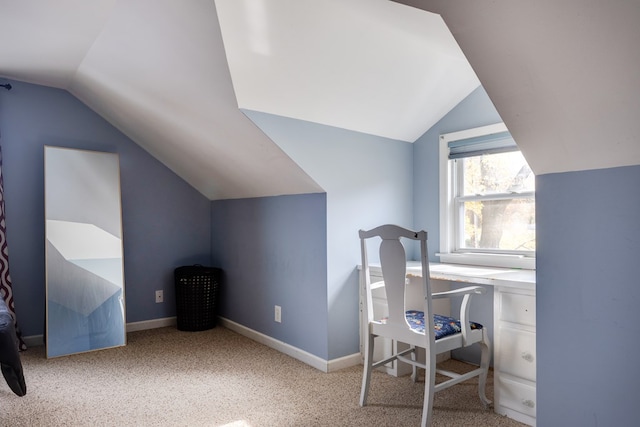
(84, 253)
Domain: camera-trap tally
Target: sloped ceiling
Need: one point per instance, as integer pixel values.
(365, 65)
(158, 71)
(562, 74)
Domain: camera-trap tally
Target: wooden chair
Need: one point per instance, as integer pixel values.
(436, 336)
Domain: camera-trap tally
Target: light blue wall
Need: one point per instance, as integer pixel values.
(166, 223)
(368, 181)
(474, 111)
(273, 251)
(588, 294)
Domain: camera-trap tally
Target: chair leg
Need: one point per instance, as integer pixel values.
(414, 370)
(366, 375)
(429, 385)
(485, 358)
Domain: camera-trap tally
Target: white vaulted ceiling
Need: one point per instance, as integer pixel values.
(363, 65)
(158, 71)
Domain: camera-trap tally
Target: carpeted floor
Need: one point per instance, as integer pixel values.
(165, 377)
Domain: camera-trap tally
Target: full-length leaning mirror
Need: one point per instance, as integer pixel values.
(84, 266)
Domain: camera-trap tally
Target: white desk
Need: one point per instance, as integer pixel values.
(502, 277)
(514, 329)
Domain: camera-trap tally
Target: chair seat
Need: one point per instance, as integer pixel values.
(444, 325)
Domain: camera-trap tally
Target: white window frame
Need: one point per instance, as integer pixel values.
(447, 252)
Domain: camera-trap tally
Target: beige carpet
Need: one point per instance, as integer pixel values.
(165, 377)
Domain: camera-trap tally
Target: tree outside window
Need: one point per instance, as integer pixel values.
(497, 202)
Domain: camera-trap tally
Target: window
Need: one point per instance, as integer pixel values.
(487, 200)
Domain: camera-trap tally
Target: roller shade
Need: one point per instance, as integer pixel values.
(486, 144)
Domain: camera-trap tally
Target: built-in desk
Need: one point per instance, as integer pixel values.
(514, 329)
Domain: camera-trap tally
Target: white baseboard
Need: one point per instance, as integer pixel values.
(151, 324)
(344, 362)
(33, 340)
(296, 353)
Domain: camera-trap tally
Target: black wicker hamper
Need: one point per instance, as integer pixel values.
(196, 297)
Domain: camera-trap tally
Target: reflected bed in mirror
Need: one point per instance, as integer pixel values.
(84, 265)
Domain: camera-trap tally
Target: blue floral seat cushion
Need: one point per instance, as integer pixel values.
(444, 325)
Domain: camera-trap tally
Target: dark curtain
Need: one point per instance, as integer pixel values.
(6, 289)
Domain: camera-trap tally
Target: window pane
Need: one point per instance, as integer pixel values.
(500, 224)
(496, 173)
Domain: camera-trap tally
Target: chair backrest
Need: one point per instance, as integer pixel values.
(394, 266)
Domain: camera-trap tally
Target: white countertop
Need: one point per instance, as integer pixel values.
(492, 276)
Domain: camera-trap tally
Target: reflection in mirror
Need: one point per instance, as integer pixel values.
(84, 266)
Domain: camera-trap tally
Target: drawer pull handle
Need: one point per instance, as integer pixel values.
(528, 403)
(527, 356)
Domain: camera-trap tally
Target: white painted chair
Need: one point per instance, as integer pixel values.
(436, 336)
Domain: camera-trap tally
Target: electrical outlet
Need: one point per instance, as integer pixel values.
(159, 296)
(278, 313)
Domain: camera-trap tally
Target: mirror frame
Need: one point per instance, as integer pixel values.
(85, 308)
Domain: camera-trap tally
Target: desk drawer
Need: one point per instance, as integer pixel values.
(518, 308)
(517, 352)
(516, 396)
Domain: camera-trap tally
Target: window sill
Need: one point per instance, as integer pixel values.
(489, 260)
